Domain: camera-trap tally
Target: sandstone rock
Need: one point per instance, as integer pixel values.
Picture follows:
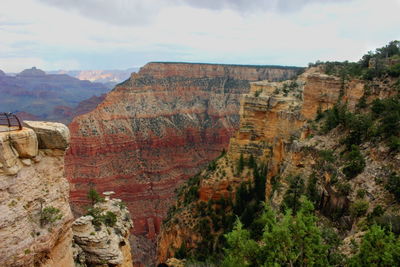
(104, 244)
(24, 239)
(25, 142)
(173, 262)
(51, 135)
(26, 162)
(8, 154)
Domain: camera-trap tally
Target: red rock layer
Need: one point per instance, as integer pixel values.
(156, 130)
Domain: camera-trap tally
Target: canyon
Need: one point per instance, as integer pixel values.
(35, 95)
(154, 131)
(282, 137)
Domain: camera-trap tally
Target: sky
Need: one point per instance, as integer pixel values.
(120, 34)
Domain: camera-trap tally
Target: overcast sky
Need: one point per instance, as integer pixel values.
(119, 34)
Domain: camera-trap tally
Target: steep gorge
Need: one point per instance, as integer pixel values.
(322, 131)
(154, 131)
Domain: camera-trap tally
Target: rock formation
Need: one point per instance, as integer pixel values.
(35, 217)
(155, 130)
(104, 242)
(278, 129)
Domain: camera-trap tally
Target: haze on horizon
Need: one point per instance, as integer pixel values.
(120, 34)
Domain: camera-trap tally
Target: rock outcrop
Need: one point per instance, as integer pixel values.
(272, 115)
(157, 129)
(320, 136)
(35, 216)
(104, 242)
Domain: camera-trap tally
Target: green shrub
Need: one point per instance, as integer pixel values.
(344, 189)
(378, 248)
(355, 163)
(359, 208)
(109, 218)
(393, 185)
(49, 215)
(361, 193)
(291, 199)
(94, 196)
(394, 143)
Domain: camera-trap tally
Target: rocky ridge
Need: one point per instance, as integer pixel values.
(277, 128)
(154, 131)
(35, 215)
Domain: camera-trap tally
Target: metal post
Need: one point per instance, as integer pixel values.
(19, 122)
(8, 120)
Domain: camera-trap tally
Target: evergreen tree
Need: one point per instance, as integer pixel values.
(291, 199)
(94, 196)
(378, 248)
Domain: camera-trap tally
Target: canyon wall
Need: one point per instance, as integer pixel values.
(154, 131)
(35, 216)
(272, 115)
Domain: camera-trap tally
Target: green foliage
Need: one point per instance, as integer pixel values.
(181, 253)
(94, 196)
(393, 185)
(212, 166)
(355, 163)
(285, 241)
(378, 248)
(110, 219)
(344, 188)
(291, 199)
(359, 208)
(240, 164)
(311, 190)
(242, 249)
(361, 193)
(394, 143)
(49, 215)
(363, 68)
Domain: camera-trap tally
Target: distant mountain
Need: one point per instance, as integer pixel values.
(45, 96)
(108, 77)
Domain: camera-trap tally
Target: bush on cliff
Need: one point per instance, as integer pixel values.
(285, 241)
(49, 215)
(378, 248)
(94, 196)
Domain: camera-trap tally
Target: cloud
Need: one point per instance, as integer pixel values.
(139, 12)
(284, 33)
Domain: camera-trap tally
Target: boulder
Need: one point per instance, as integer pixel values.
(25, 142)
(51, 135)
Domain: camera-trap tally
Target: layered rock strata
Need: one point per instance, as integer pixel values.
(273, 113)
(35, 216)
(157, 129)
(272, 116)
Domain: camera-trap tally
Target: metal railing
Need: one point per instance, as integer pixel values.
(11, 121)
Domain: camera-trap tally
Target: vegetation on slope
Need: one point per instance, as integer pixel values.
(308, 228)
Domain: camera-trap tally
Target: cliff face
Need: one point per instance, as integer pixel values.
(272, 113)
(333, 140)
(35, 216)
(155, 130)
(272, 116)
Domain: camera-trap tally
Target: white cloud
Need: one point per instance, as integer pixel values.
(62, 37)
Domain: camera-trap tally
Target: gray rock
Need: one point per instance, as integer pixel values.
(51, 135)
